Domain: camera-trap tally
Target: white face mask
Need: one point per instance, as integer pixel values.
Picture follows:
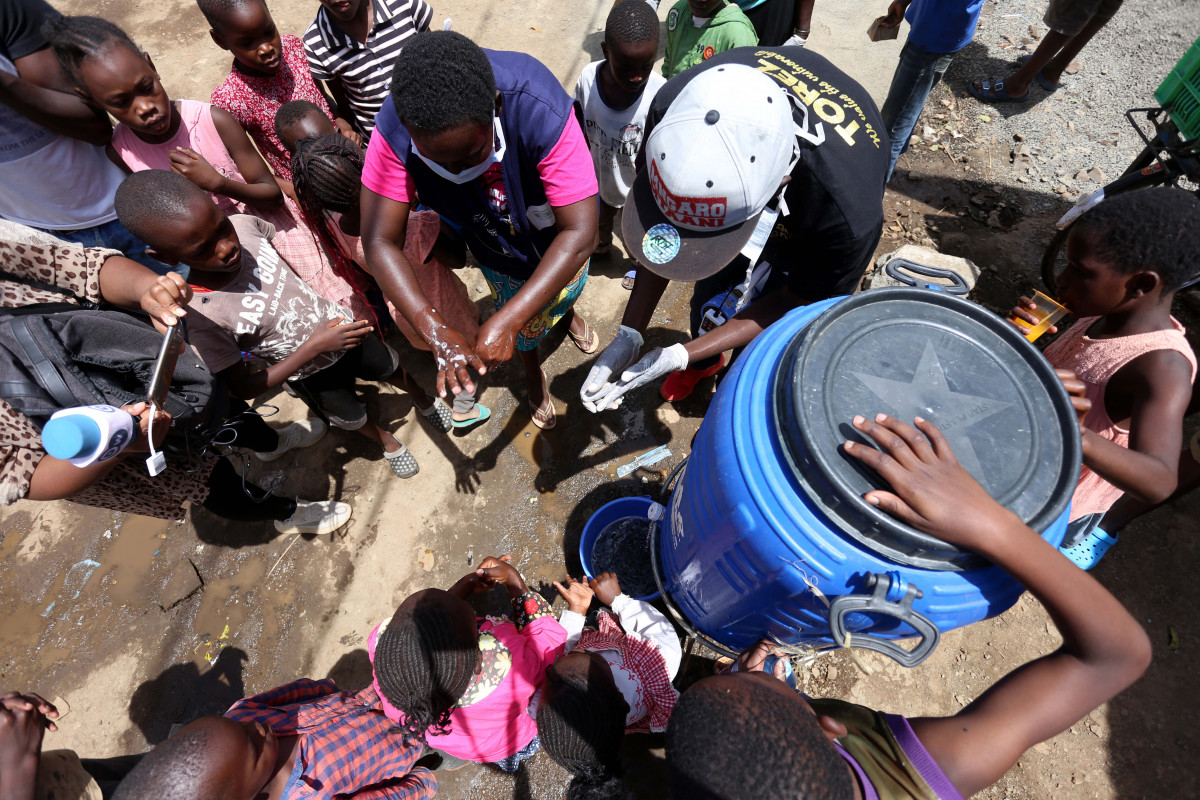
(471, 173)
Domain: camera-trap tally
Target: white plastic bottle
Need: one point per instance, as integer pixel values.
(88, 434)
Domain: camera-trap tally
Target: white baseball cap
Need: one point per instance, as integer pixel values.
(713, 163)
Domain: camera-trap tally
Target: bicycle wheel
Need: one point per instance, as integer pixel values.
(1054, 260)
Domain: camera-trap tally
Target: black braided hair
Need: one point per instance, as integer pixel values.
(581, 723)
(327, 176)
(180, 767)
(145, 198)
(441, 80)
(76, 39)
(1156, 229)
(215, 11)
(423, 667)
(733, 738)
(292, 112)
(631, 22)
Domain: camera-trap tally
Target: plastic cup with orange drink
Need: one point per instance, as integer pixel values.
(1045, 310)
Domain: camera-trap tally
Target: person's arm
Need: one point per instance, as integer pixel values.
(895, 14)
(1104, 649)
(578, 595)
(56, 479)
(384, 225)
(24, 719)
(329, 338)
(42, 92)
(124, 282)
(743, 327)
(638, 616)
(260, 188)
(578, 233)
(1148, 468)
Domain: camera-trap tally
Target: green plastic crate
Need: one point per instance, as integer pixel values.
(1180, 93)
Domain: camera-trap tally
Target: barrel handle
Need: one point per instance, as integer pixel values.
(878, 603)
(900, 268)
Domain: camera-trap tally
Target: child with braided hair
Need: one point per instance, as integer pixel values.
(327, 176)
(614, 679)
(461, 684)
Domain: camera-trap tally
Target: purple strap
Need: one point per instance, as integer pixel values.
(920, 758)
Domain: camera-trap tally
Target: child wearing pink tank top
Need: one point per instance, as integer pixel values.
(293, 239)
(1126, 259)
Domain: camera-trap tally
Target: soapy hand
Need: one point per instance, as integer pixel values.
(655, 364)
(615, 358)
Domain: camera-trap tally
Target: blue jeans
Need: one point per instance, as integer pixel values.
(116, 236)
(916, 74)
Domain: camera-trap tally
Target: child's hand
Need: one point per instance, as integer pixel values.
(195, 168)
(895, 14)
(339, 335)
(141, 441)
(23, 723)
(494, 570)
(1077, 389)
(752, 659)
(28, 701)
(578, 595)
(931, 491)
(606, 587)
(1023, 311)
(345, 129)
(164, 301)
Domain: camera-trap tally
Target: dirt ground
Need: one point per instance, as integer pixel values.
(140, 625)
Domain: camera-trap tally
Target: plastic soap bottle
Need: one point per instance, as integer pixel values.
(88, 434)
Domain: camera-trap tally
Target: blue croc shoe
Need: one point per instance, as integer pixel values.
(1087, 552)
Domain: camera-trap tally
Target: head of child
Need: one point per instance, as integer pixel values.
(327, 173)
(245, 28)
(180, 222)
(445, 94)
(748, 735)
(1131, 252)
(705, 9)
(300, 119)
(211, 757)
(110, 71)
(630, 45)
(426, 657)
(343, 10)
(581, 724)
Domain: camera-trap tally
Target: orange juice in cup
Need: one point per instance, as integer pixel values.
(1048, 313)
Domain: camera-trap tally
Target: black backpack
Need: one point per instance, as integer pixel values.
(59, 355)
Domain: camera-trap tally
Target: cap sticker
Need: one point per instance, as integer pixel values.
(695, 213)
(661, 243)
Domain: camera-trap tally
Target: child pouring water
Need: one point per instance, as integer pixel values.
(204, 144)
(613, 680)
(1125, 260)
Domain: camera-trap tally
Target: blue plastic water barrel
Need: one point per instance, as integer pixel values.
(767, 527)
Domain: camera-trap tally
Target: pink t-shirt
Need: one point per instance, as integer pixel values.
(499, 725)
(567, 172)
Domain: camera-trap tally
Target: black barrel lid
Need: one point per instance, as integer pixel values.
(916, 352)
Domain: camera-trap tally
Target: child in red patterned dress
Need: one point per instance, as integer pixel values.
(613, 680)
(268, 70)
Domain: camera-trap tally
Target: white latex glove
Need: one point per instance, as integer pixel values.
(795, 40)
(616, 357)
(653, 4)
(655, 364)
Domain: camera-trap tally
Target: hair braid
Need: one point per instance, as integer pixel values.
(581, 723)
(76, 39)
(327, 175)
(422, 668)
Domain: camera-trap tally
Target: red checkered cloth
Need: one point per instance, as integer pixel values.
(345, 750)
(642, 659)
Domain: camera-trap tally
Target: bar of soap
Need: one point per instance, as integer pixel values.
(880, 32)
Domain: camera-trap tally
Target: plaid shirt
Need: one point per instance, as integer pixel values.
(345, 749)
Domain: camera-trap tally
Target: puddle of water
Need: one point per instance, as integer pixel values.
(530, 441)
(129, 558)
(224, 609)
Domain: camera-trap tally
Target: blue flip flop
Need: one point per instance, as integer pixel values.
(484, 414)
(1041, 78)
(994, 92)
(1087, 552)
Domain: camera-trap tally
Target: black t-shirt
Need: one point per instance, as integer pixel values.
(21, 27)
(835, 197)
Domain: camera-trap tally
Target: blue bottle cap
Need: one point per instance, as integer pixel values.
(71, 436)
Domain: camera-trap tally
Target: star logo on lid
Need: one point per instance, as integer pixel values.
(928, 395)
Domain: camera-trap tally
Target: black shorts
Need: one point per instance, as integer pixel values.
(773, 21)
(330, 392)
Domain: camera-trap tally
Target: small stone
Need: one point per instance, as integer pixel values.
(1096, 175)
(667, 415)
(993, 220)
(1071, 126)
(928, 133)
(426, 559)
(1018, 137)
(1082, 175)
(1022, 179)
(1073, 67)
(914, 140)
(978, 199)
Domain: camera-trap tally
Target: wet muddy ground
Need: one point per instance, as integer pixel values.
(141, 624)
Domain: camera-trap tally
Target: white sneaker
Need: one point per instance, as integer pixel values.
(303, 433)
(317, 517)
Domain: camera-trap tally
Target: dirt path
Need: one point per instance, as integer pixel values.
(141, 625)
